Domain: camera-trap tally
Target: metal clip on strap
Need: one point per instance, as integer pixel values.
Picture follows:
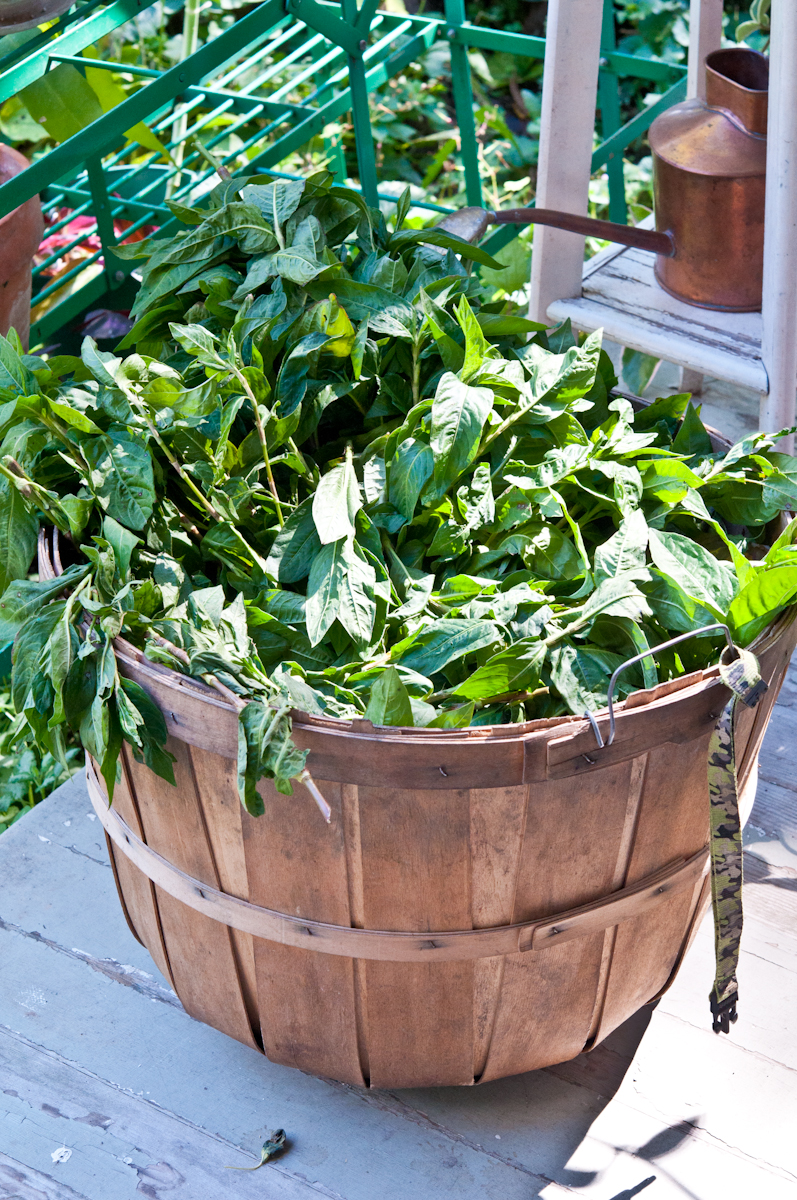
(723, 1011)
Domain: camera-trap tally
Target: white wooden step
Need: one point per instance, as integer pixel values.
(621, 296)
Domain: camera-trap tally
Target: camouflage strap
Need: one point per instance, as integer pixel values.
(743, 678)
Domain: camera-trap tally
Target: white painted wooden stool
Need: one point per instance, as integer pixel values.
(616, 290)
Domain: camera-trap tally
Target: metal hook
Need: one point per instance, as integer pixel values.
(590, 717)
(683, 637)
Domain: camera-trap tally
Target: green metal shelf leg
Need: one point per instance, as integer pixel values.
(360, 114)
(611, 116)
(114, 274)
(463, 102)
(363, 139)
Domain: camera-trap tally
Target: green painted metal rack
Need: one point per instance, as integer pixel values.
(283, 73)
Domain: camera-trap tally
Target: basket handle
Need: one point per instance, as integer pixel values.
(629, 662)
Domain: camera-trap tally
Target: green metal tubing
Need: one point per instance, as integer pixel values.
(462, 88)
(522, 44)
(102, 64)
(611, 119)
(324, 21)
(70, 307)
(636, 126)
(374, 78)
(35, 39)
(73, 40)
(373, 55)
(76, 197)
(365, 16)
(104, 133)
(360, 113)
(655, 69)
(314, 125)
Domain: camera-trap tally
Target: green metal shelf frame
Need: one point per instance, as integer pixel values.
(342, 52)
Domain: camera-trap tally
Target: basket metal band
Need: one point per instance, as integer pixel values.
(388, 945)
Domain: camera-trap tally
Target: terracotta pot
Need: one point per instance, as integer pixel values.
(20, 234)
(27, 14)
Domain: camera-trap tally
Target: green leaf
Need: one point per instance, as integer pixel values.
(459, 413)
(757, 604)
(550, 554)
(32, 635)
(477, 349)
(390, 701)
(62, 101)
(617, 596)
(385, 312)
(457, 717)
(668, 480)
(638, 370)
(443, 642)
(198, 342)
(693, 568)
(19, 531)
(14, 375)
(447, 241)
(324, 589)
(515, 669)
(692, 437)
(294, 372)
(667, 408)
(123, 543)
(336, 503)
(675, 610)
(581, 676)
(277, 201)
(295, 546)
(121, 476)
(625, 550)
(357, 607)
(24, 598)
(410, 467)
(226, 543)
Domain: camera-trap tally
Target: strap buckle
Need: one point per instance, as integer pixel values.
(754, 694)
(723, 1011)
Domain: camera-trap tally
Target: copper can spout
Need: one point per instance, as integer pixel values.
(472, 223)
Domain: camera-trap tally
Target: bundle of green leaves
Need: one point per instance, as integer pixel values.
(323, 473)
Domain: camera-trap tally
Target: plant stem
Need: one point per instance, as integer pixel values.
(278, 234)
(261, 433)
(33, 492)
(176, 464)
(415, 363)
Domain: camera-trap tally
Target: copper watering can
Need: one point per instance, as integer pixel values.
(709, 174)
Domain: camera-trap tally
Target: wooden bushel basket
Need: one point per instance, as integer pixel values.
(474, 845)
(485, 901)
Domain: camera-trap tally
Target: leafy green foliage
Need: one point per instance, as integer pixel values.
(358, 489)
(27, 773)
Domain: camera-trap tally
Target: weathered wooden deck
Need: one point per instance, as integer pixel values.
(98, 1057)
